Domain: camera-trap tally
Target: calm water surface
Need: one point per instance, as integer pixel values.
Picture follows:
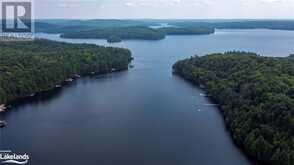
(144, 116)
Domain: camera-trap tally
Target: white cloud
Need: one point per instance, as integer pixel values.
(165, 8)
(270, 1)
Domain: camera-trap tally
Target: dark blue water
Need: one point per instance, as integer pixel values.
(144, 116)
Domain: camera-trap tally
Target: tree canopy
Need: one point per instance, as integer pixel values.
(30, 67)
(256, 96)
(139, 33)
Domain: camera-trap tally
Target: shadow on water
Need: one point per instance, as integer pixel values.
(47, 97)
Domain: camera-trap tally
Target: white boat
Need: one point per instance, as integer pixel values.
(204, 95)
(69, 80)
(77, 76)
(2, 108)
(57, 86)
(3, 124)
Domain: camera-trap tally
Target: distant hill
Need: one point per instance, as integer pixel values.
(240, 24)
(139, 33)
(62, 26)
(142, 33)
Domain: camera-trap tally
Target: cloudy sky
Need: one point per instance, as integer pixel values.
(196, 9)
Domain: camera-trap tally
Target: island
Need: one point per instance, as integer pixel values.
(256, 97)
(134, 33)
(62, 26)
(187, 31)
(29, 67)
(117, 34)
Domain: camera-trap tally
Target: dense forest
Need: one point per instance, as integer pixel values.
(255, 95)
(119, 33)
(118, 30)
(63, 26)
(238, 24)
(68, 25)
(186, 31)
(30, 67)
(140, 33)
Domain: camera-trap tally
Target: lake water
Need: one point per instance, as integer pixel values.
(144, 116)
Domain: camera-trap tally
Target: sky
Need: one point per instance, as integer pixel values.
(164, 9)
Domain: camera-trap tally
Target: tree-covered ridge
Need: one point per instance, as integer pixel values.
(63, 26)
(139, 33)
(68, 25)
(256, 96)
(120, 33)
(236, 24)
(186, 31)
(30, 67)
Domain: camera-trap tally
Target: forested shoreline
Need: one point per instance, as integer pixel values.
(62, 26)
(123, 33)
(134, 33)
(255, 95)
(31, 67)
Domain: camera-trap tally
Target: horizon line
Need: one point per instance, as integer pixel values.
(275, 19)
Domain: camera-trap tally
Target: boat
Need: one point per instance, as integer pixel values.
(69, 80)
(113, 70)
(2, 108)
(204, 95)
(32, 95)
(202, 86)
(3, 124)
(77, 76)
(57, 86)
